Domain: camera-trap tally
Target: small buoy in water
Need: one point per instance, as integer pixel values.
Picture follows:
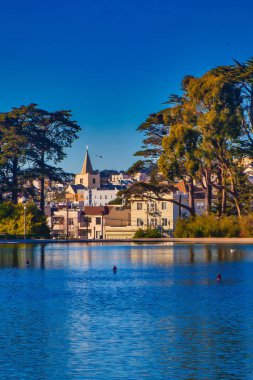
(218, 277)
(114, 269)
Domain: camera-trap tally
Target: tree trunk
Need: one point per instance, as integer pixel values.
(42, 183)
(14, 191)
(219, 193)
(224, 202)
(223, 195)
(208, 194)
(235, 195)
(191, 197)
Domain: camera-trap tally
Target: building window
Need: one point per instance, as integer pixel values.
(81, 181)
(164, 205)
(139, 222)
(164, 222)
(152, 207)
(94, 180)
(153, 223)
(101, 197)
(71, 222)
(98, 220)
(139, 206)
(200, 205)
(105, 196)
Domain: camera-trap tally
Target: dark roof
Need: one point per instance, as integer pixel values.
(87, 167)
(109, 186)
(77, 187)
(96, 210)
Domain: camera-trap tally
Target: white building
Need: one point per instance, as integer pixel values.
(118, 179)
(87, 190)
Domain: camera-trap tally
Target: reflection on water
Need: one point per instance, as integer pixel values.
(163, 315)
(79, 254)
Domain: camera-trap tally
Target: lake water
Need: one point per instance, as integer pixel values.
(163, 315)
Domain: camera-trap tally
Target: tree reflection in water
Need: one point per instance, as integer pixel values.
(65, 255)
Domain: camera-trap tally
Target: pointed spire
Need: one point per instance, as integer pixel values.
(87, 167)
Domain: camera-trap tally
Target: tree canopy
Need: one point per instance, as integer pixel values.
(32, 144)
(204, 136)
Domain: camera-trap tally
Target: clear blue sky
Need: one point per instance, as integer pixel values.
(113, 62)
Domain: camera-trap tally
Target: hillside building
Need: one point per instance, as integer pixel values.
(87, 190)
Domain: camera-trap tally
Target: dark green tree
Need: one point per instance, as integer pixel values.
(49, 135)
(14, 135)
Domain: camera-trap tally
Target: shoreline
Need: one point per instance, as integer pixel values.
(124, 241)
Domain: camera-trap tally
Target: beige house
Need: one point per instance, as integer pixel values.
(118, 224)
(65, 223)
(108, 222)
(162, 214)
(71, 223)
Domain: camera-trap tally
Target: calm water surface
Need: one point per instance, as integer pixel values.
(163, 315)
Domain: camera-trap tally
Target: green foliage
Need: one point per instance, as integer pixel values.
(148, 233)
(204, 136)
(138, 166)
(32, 144)
(154, 128)
(12, 220)
(116, 201)
(208, 226)
(246, 225)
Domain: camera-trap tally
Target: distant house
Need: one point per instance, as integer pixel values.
(65, 223)
(118, 224)
(117, 179)
(106, 222)
(92, 222)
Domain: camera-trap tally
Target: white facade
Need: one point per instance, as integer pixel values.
(96, 197)
(117, 179)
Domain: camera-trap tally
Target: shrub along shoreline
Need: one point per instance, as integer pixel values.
(214, 226)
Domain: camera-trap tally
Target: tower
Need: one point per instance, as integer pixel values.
(87, 177)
